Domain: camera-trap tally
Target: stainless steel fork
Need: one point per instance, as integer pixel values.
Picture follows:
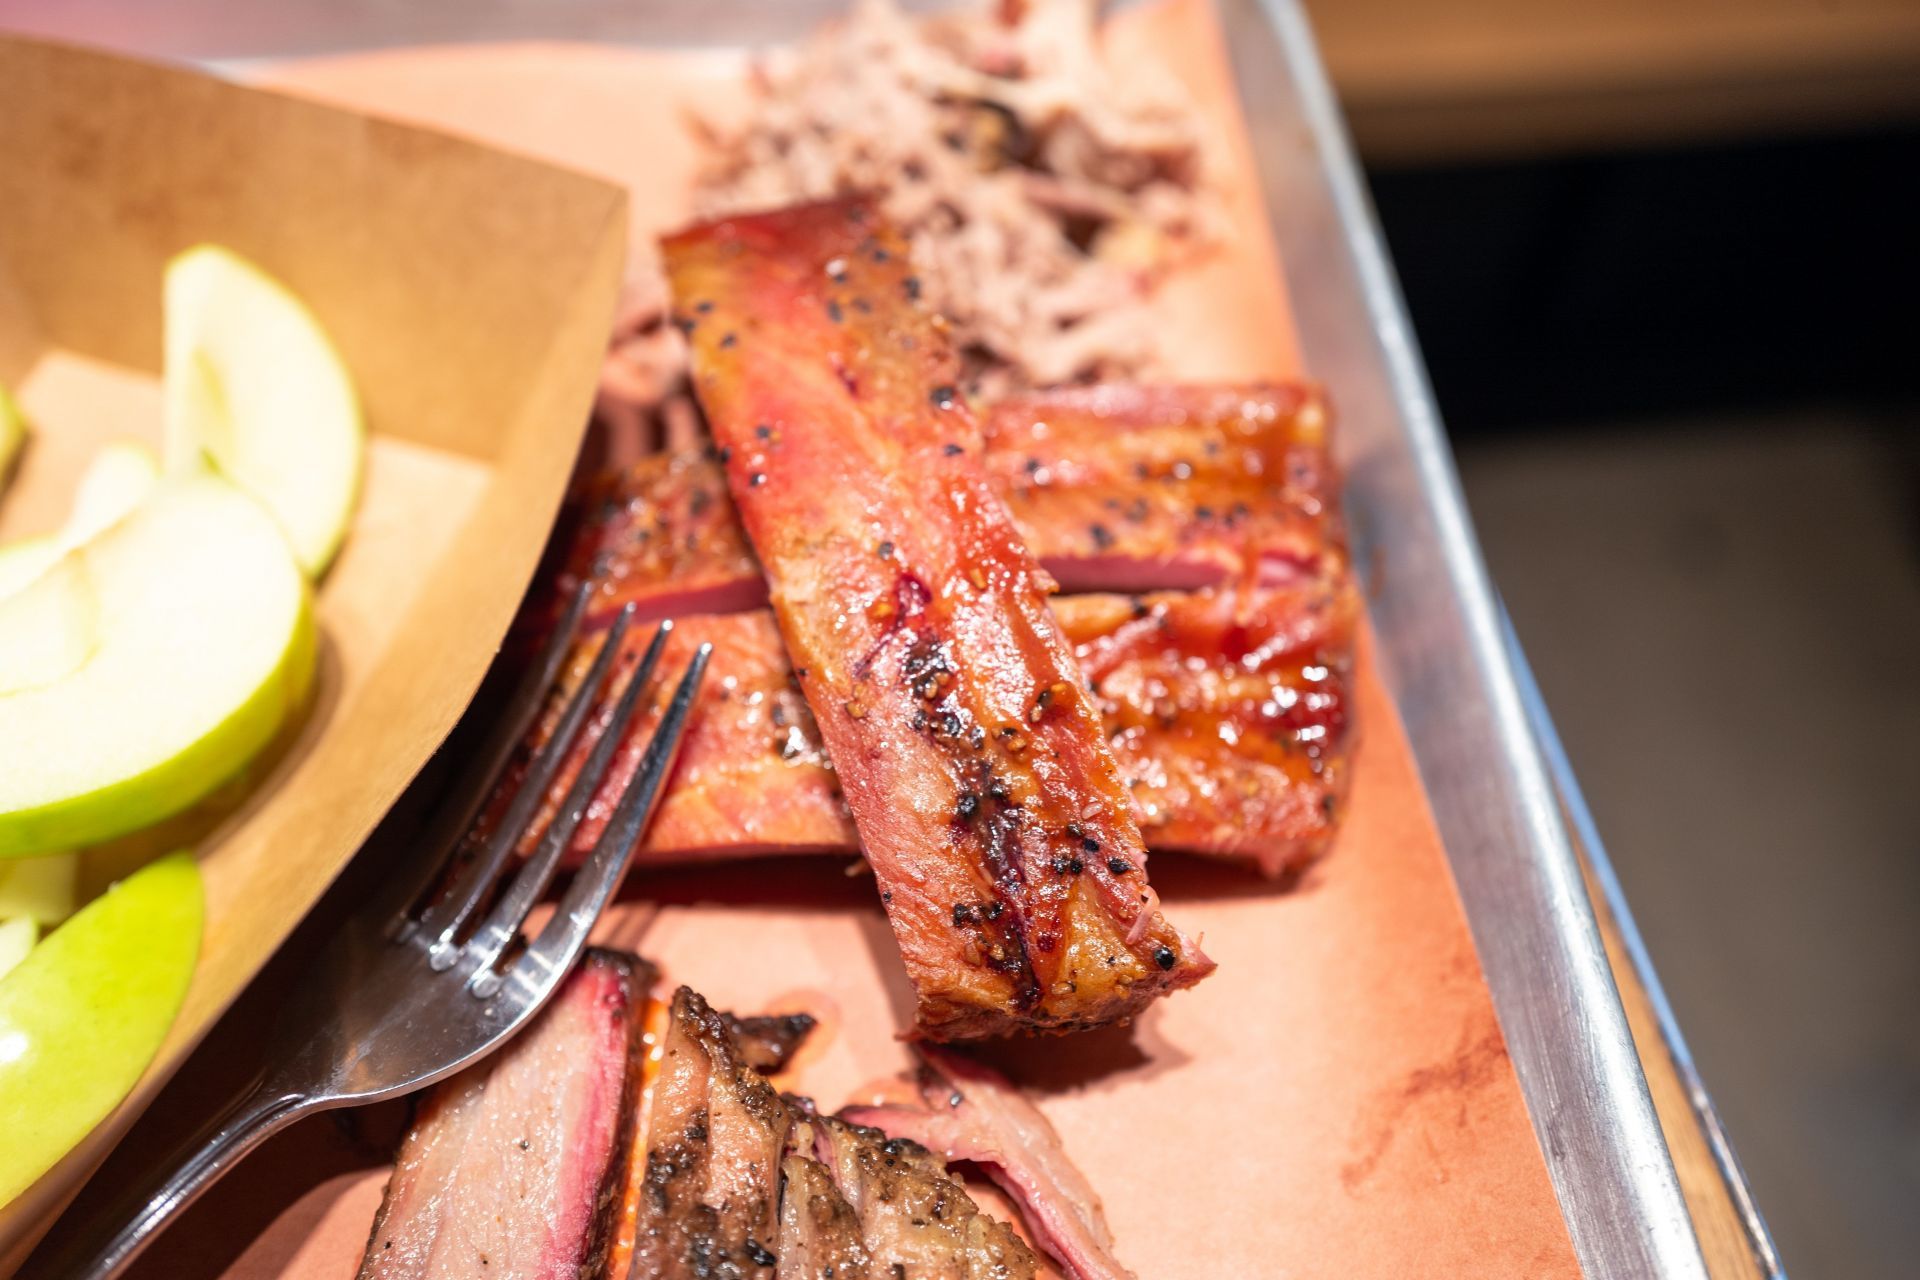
(398, 1003)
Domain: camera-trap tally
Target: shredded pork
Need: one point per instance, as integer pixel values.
(1043, 196)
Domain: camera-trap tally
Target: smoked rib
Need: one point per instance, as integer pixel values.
(1136, 488)
(972, 759)
(1227, 714)
(1114, 488)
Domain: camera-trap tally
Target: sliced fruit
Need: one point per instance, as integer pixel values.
(13, 433)
(17, 936)
(47, 632)
(201, 644)
(85, 1012)
(24, 559)
(119, 476)
(254, 385)
(40, 889)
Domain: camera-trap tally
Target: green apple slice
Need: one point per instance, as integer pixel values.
(254, 385)
(17, 936)
(39, 889)
(25, 559)
(83, 1014)
(47, 632)
(200, 646)
(119, 476)
(13, 433)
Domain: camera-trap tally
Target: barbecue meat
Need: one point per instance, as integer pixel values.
(767, 1042)
(751, 776)
(1227, 714)
(819, 1231)
(1114, 488)
(509, 1168)
(1125, 488)
(975, 1114)
(1230, 713)
(710, 1189)
(663, 536)
(972, 759)
(916, 1222)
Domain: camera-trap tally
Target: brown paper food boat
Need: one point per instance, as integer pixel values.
(470, 292)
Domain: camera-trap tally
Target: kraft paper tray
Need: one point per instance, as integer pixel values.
(1475, 727)
(469, 292)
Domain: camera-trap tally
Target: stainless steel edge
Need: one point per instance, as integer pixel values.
(1586, 835)
(1444, 657)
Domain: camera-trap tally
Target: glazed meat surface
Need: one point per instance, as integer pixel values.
(1114, 488)
(1227, 714)
(752, 776)
(1230, 713)
(662, 535)
(1124, 488)
(510, 1165)
(971, 757)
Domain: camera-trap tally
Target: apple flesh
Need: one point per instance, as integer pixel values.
(196, 643)
(39, 889)
(254, 386)
(13, 433)
(17, 936)
(119, 476)
(83, 1014)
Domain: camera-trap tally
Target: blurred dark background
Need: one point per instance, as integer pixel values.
(1664, 262)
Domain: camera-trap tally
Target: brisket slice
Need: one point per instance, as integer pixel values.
(710, 1186)
(739, 1182)
(971, 756)
(509, 1167)
(820, 1236)
(973, 1113)
(916, 1222)
(767, 1041)
(1227, 714)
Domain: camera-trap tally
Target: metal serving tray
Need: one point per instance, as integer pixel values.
(1491, 765)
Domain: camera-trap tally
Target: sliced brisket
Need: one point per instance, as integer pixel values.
(509, 1168)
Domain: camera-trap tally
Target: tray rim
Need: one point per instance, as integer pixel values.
(1532, 921)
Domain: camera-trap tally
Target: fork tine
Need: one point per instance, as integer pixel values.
(456, 809)
(444, 919)
(565, 934)
(504, 921)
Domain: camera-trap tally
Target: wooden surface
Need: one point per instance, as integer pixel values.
(1424, 81)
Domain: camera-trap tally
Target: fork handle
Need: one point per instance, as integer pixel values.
(137, 1216)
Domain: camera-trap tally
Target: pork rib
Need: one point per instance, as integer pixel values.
(510, 1167)
(1227, 714)
(971, 756)
(1127, 488)
(1114, 488)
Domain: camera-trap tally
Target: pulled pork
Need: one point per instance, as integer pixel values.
(1042, 195)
